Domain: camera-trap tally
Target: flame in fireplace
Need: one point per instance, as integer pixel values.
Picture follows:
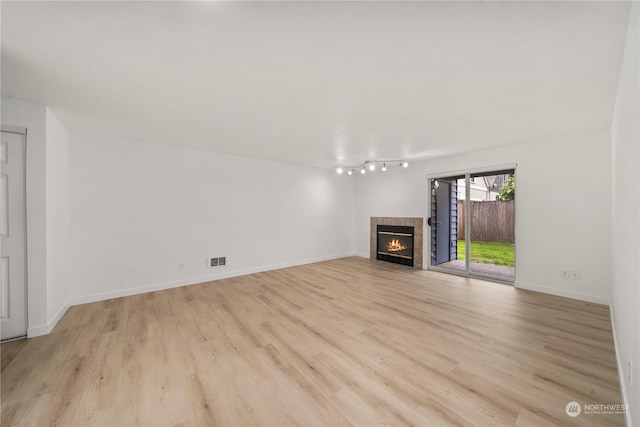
(395, 246)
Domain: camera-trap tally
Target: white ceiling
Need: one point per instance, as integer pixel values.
(319, 83)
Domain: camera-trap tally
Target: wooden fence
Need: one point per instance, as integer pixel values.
(490, 221)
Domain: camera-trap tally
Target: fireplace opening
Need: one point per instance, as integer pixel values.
(395, 244)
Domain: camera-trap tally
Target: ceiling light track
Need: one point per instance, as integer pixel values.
(371, 166)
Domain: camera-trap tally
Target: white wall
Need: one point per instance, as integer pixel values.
(139, 209)
(57, 222)
(625, 290)
(562, 208)
(33, 117)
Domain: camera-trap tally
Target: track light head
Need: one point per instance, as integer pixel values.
(339, 171)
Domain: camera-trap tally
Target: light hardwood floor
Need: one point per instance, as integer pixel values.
(343, 342)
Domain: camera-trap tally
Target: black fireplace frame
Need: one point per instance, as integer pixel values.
(402, 230)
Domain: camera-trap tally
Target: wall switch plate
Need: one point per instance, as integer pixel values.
(180, 266)
(565, 274)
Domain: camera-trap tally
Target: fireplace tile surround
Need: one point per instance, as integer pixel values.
(417, 223)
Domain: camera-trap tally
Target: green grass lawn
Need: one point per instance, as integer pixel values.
(489, 252)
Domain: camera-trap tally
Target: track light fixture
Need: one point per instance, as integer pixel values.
(371, 165)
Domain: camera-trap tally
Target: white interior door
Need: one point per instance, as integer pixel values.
(13, 307)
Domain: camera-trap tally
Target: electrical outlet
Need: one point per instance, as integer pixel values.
(630, 373)
(180, 266)
(565, 274)
(575, 275)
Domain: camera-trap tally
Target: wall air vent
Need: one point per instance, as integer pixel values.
(216, 262)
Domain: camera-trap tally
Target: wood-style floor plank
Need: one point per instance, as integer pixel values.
(342, 342)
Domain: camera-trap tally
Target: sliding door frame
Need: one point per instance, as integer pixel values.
(427, 238)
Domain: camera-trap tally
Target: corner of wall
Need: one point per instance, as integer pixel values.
(44, 329)
(57, 219)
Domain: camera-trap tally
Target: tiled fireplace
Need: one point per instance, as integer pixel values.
(397, 239)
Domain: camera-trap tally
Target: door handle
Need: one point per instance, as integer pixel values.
(429, 221)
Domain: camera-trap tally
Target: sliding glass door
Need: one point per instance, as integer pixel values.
(472, 224)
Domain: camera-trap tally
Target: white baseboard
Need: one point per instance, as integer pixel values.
(45, 329)
(362, 254)
(621, 375)
(562, 293)
(222, 274)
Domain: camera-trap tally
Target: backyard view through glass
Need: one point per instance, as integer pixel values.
(489, 253)
(479, 208)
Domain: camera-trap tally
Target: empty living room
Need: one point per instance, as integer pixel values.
(320, 213)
